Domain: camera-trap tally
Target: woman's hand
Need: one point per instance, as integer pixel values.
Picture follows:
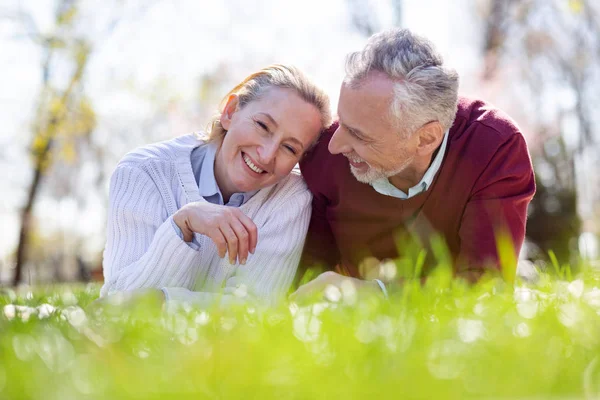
(229, 228)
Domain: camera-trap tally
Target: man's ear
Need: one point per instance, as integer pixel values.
(229, 110)
(430, 137)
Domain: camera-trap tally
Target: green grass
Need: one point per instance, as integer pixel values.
(442, 340)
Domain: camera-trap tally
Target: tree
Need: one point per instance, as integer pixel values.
(549, 52)
(63, 112)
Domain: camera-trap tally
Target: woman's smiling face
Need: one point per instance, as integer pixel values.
(264, 140)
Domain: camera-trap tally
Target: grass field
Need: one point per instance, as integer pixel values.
(444, 340)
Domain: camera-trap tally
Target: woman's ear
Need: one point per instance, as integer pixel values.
(228, 111)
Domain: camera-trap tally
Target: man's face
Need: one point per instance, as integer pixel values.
(374, 145)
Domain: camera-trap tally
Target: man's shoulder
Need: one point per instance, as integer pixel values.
(482, 121)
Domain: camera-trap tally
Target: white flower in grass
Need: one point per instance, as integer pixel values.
(527, 302)
(479, 309)
(385, 326)
(202, 318)
(366, 331)
(68, 298)
(592, 297)
(307, 326)
(523, 294)
(180, 324)
(387, 270)
(228, 323)
(522, 330)
(318, 308)
(470, 330)
(23, 312)
(576, 288)
(75, 315)
(10, 311)
(528, 309)
(189, 336)
(569, 314)
(45, 310)
(26, 312)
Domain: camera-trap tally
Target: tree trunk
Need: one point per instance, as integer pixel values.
(26, 214)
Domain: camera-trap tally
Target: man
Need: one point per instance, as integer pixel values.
(408, 161)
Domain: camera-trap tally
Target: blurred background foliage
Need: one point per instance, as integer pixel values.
(85, 82)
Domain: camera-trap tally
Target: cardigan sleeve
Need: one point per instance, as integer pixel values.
(497, 206)
(269, 272)
(142, 249)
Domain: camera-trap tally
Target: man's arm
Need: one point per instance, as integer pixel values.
(497, 206)
(320, 250)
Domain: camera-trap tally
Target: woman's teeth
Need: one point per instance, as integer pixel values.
(251, 165)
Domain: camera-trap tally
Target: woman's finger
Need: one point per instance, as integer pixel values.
(243, 240)
(232, 242)
(219, 240)
(251, 230)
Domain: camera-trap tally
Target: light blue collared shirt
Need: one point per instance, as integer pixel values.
(385, 187)
(203, 166)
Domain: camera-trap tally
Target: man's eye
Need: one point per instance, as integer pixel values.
(356, 136)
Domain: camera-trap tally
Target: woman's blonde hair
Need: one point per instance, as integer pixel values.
(256, 84)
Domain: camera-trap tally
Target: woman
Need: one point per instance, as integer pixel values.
(179, 206)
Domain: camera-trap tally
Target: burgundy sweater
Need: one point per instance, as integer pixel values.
(483, 186)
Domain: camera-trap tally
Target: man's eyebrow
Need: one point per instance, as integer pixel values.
(268, 116)
(355, 131)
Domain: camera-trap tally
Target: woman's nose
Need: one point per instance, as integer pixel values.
(266, 152)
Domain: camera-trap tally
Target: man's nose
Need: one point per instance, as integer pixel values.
(338, 143)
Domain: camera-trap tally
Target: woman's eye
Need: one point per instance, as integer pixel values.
(291, 149)
(262, 125)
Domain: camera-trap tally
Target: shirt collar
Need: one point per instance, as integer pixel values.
(435, 165)
(207, 183)
(385, 187)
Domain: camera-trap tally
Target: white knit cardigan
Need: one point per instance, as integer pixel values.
(143, 250)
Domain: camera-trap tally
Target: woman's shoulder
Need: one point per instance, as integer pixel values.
(163, 151)
(292, 189)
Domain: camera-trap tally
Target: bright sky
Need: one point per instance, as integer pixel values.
(177, 41)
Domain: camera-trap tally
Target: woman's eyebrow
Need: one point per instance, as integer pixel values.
(293, 139)
(268, 116)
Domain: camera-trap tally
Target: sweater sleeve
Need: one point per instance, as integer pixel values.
(498, 205)
(320, 250)
(142, 249)
(269, 272)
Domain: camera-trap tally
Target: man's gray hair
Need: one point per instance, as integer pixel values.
(425, 90)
